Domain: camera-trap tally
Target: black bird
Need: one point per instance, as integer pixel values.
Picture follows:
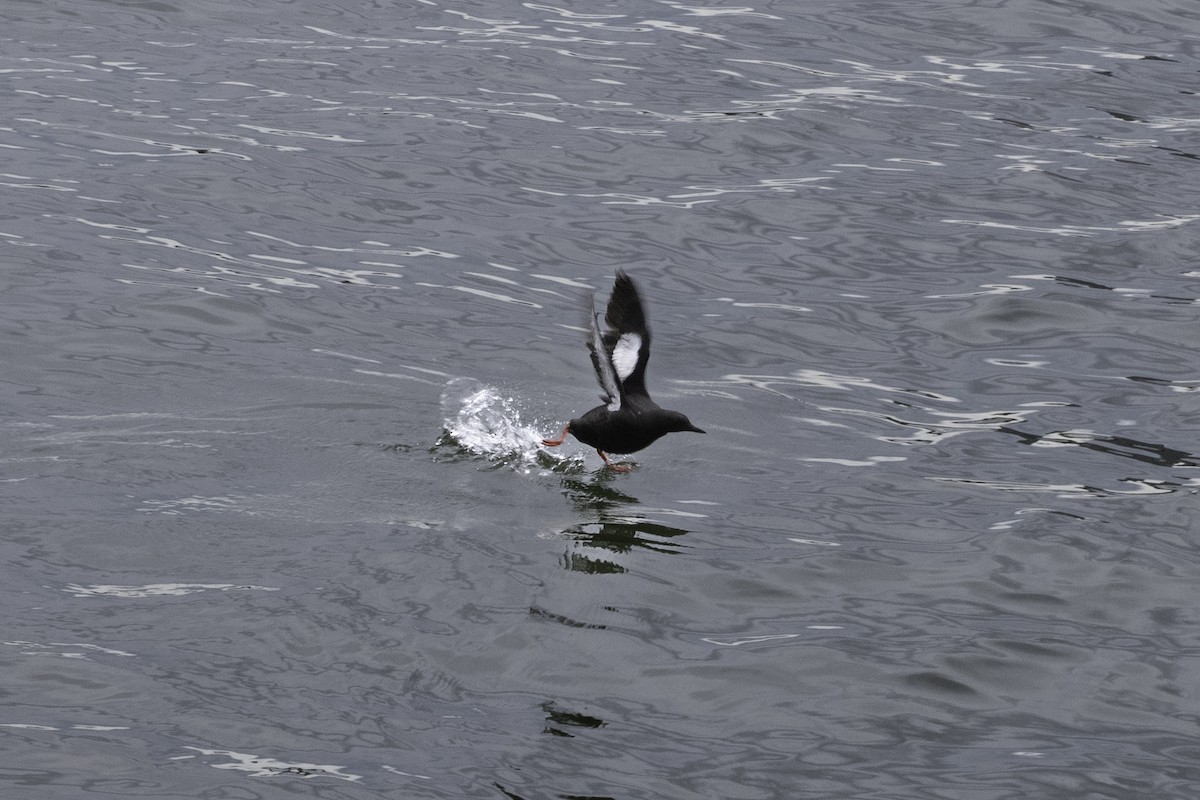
(629, 420)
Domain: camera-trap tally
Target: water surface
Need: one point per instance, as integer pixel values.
(292, 290)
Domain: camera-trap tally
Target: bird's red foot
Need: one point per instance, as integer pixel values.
(562, 437)
(612, 466)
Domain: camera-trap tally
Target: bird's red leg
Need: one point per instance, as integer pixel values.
(611, 465)
(562, 437)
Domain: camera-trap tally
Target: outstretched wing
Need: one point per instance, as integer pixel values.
(620, 353)
(628, 339)
(602, 362)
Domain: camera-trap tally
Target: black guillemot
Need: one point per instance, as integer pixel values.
(629, 420)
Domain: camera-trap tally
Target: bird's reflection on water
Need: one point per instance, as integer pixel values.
(559, 719)
(615, 527)
(595, 492)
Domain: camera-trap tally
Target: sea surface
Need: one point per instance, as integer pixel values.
(291, 291)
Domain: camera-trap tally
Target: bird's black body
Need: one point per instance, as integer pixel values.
(629, 420)
(629, 429)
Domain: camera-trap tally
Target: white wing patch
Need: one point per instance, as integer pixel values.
(625, 354)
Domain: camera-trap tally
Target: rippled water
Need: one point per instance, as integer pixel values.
(292, 290)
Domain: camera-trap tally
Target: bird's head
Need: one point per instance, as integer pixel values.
(680, 423)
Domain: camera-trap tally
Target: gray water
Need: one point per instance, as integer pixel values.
(292, 289)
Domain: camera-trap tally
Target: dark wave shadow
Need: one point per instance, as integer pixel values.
(1159, 455)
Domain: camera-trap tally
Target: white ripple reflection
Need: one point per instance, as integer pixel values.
(78, 650)
(814, 378)
(1124, 226)
(870, 461)
(984, 289)
(160, 589)
(701, 11)
(1141, 487)
(739, 641)
(33, 727)
(265, 767)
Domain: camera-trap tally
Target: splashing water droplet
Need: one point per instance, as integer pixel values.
(480, 420)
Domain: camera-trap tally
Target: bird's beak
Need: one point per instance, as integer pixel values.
(694, 429)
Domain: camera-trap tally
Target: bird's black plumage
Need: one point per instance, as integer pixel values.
(629, 420)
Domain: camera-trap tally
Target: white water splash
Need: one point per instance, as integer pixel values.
(484, 422)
